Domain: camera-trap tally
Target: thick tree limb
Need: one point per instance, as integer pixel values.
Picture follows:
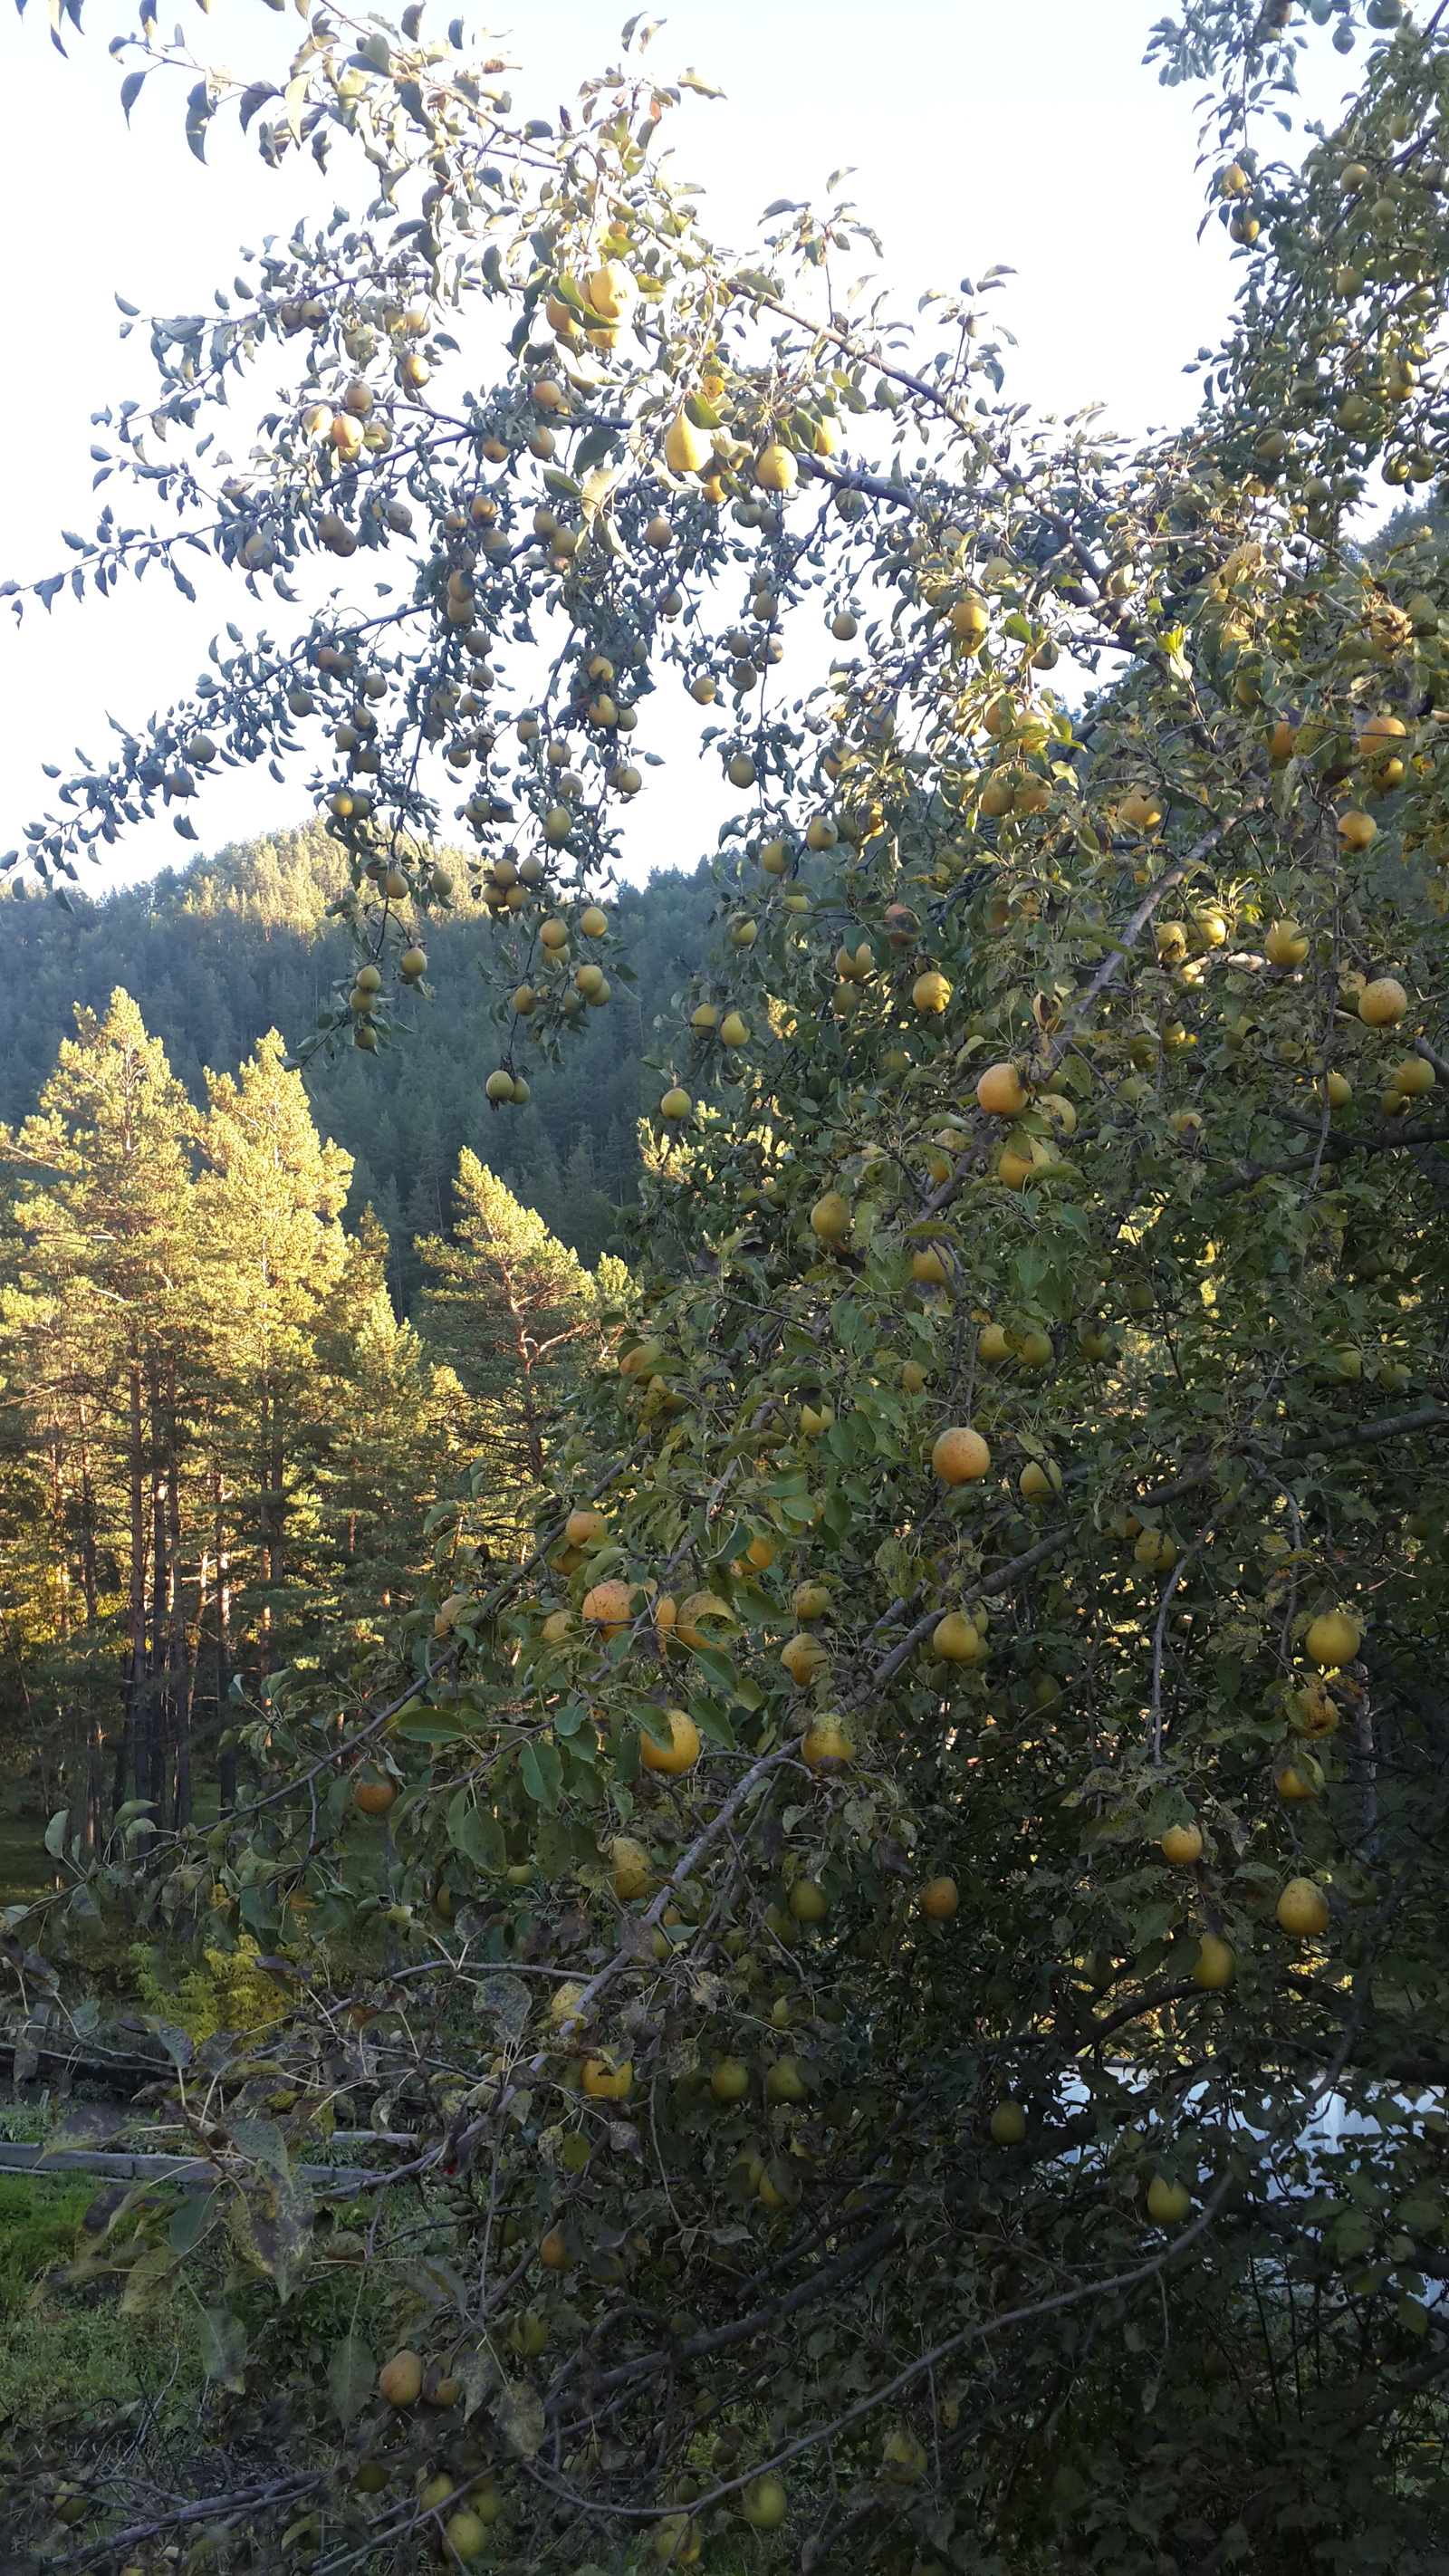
(1431, 1708)
(1394, 1426)
(830, 2277)
(213, 2508)
(1111, 967)
(1395, 1138)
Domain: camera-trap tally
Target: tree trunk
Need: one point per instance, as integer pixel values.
(264, 1528)
(133, 1752)
(93, 1822)
(225, 1762)
(275, 1499)
(93, 1826)
(157, 1674)
(524, 1354)
(60, 1550)
(87, 1521)
(178, 1655)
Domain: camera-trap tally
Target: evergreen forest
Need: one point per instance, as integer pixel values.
(219, 953)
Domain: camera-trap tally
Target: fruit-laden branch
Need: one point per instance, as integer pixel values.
(1106, 974)
(831, 2276)
(1127, 631)
(848, 478)
(488, 1609)
(1152, 2001)
(989, 1585)
(1252, 2509)
(456, 2150)
(882, 2239)
(1111, 966)
(1012, 2317)
(1059, 2300)
(627, 1954)
(1429, 2259)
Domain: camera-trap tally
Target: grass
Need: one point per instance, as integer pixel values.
(88, 2364)
(38, 2222)
(64, 2353)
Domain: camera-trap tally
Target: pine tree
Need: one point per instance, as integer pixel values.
(392, 1444)
(218, 1445)
(513, 1311)
(105, 1288)
(268, 1205)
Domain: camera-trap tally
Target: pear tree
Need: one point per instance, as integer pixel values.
(911, 1951)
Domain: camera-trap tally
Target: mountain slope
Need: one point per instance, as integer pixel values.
(219, 952)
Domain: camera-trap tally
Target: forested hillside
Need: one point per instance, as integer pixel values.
(218, 953)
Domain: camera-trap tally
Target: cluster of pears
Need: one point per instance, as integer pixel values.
(587, 988)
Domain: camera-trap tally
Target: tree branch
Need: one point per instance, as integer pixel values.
(1424, 1417)
(204, 2509)
(1335, 1149)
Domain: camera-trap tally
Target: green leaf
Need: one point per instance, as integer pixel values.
(435, 1725)
(594, 447)
(198, 117)
(191, 2219)
(147, 2281)
(271, 2222)
(262, 2141)
(505, 2000)
(178, 2044)
(519, 2416)
(475, 1831)
(541, 1772)
(351, 2373)
(478, 2376)
(719, 1668)
(55, 1832)
(86, 2124)
(224, 2348)
(712, 1722)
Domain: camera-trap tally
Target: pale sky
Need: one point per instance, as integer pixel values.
(1015, 131)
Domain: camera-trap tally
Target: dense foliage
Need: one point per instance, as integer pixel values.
(918, 2007)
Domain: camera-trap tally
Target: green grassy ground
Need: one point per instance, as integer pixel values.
(38, 2221)
(62, 2355)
